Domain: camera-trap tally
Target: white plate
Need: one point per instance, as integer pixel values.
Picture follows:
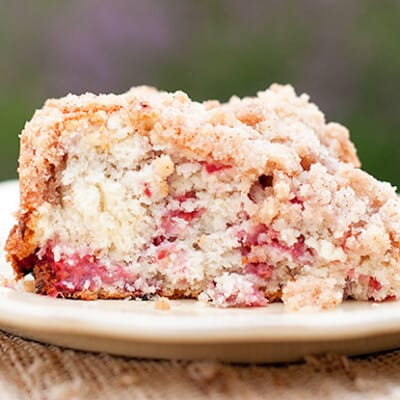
(190, 329)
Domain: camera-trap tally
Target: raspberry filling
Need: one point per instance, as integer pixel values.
(262, 270)
(77, 272)
(259, 241)
(174, 222)
(373, 285)
(147, 190)
(215, 166)
(254, 298)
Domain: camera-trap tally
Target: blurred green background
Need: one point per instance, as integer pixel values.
(345, 54)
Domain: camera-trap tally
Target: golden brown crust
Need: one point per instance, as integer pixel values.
(274, 297)
(20, 247)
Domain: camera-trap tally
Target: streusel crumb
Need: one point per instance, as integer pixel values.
(163, 304)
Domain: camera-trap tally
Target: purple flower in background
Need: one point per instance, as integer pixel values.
(102, 46)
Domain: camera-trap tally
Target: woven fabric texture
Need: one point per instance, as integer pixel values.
(29, 370)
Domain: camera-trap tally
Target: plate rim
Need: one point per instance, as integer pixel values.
(59, 316)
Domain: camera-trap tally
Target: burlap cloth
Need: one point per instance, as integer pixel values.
(30, 370)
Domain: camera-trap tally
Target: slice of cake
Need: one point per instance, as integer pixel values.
(151, 194)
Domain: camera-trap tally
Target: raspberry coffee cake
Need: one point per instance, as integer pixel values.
(239, 204)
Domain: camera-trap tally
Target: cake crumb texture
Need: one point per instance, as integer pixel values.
(242, 203)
